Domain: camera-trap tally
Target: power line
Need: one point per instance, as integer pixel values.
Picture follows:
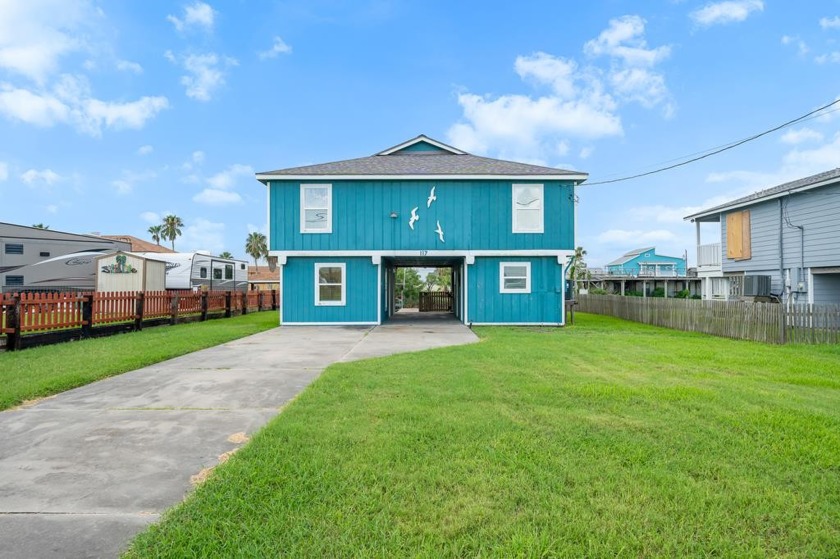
(716, 151)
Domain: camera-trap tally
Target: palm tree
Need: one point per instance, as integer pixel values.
(156, 231)
(578, 271)
(40, 226)
(172, 228)
(256, 246)
(226, 254)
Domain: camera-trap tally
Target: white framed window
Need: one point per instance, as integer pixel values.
(514, 277)
(528, 204)
(330, 284)
(316, 208)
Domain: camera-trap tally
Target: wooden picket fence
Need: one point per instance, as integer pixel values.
(435, 301)
(762, 322)
(39, 318)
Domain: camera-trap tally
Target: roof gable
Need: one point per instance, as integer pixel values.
(421, 145)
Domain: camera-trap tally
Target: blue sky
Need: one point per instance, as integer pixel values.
(113, 114)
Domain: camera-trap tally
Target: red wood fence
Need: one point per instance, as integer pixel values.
(79, 314)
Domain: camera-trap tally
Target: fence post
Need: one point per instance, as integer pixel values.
(274, 299)
(139, 305)
(244, 296)
(203, 306)
(174, 301)
(13, 323)
(87, 315)
(782, 324)
(227, 304)
(259, 300)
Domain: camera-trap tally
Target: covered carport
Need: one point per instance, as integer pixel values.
(390, 287)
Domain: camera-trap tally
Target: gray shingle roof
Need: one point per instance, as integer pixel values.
(798, 184)
(627, 256)
(422, 163)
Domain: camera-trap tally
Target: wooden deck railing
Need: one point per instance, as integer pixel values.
(435, 301)
(63, 316)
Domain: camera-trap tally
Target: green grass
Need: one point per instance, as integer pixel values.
(43, 371)
(605, 439)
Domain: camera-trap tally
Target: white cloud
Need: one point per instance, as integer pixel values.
(197, 14)
(733, 11)
(128, 66)
(4, 171)
(36, 34)
(47, 176)
(833, 57)
(635, 237)
(125, 184)
(801, 135)
(202, 234)
(215, 197)
(830, 23)
(624, 40)
(279, 47)
(582, 102)
(70, 102)
(122, 186)
(227, 178)
(205, 73)
(145, 150)
(52, 209)
(801, 46)
(198, 156)
(151, 217)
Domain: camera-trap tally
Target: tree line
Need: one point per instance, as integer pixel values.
(256, 244)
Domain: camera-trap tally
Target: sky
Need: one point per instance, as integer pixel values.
(114, 114)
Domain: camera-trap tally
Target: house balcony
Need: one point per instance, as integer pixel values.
(708, 257)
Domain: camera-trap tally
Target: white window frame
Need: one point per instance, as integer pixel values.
(303, 208)
(516, 227)
(318, 301)
(503, 289)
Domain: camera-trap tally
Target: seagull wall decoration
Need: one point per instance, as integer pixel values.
(431, 198)
(439, 232)
(414, 218)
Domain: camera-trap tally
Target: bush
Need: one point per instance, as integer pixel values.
(684, 294)
(658, 292)
(695, 296)
(631, 293)
(598, 291)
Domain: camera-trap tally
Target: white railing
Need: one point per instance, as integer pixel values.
(708, 255)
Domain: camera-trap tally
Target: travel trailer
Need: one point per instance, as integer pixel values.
(201, 270)
(69, 272)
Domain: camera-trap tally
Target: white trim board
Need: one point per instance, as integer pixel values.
(424, 139)
(330, 324)
(576, 178)
(517, 324)
(418, 253)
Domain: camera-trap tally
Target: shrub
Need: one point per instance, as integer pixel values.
(658, 292)
(598, 291)
(684, 294)
(631, 293)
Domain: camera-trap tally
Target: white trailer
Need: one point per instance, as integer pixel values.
(201, 270)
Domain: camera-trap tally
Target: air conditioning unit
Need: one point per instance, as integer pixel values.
(756, 286)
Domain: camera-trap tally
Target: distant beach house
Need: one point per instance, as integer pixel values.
(782, 242)
(644, 262)
(340, 230)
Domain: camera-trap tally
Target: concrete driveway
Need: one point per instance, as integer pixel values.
(81, 473)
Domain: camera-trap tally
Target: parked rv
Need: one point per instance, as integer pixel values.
(70, 272)
(201, 270)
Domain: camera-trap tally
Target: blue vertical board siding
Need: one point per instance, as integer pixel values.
(542, 305)
(474, 215)
(299, 291)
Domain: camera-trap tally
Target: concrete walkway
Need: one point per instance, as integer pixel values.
(81, 473)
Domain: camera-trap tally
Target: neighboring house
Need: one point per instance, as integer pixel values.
(781, 242)
(340, 230)
(644, 262)
(21, 247)
(643, 271)
(263, 278)
(139, 245)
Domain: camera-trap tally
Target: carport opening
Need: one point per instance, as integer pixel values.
(424, 289)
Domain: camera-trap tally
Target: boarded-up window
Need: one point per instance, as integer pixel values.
(738, 245)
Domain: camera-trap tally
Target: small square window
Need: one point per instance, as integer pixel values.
(316, 208)
(515, 277)
(14, 249)
(14, 281)
(44, 254)
(217, 273)
(228, 271)
(203, 273)
(330, 287)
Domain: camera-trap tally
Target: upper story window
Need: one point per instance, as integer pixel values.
(228, 271)
(528, 204)
(316, 208)
(330, 286)
(738, 246)
(515, 277)
(14, 249)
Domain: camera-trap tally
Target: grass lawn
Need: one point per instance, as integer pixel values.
(605, 439)
(46, 370)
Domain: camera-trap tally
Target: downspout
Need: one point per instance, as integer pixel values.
(781, 249)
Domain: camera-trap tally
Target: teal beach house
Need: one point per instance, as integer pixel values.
(340, 230)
